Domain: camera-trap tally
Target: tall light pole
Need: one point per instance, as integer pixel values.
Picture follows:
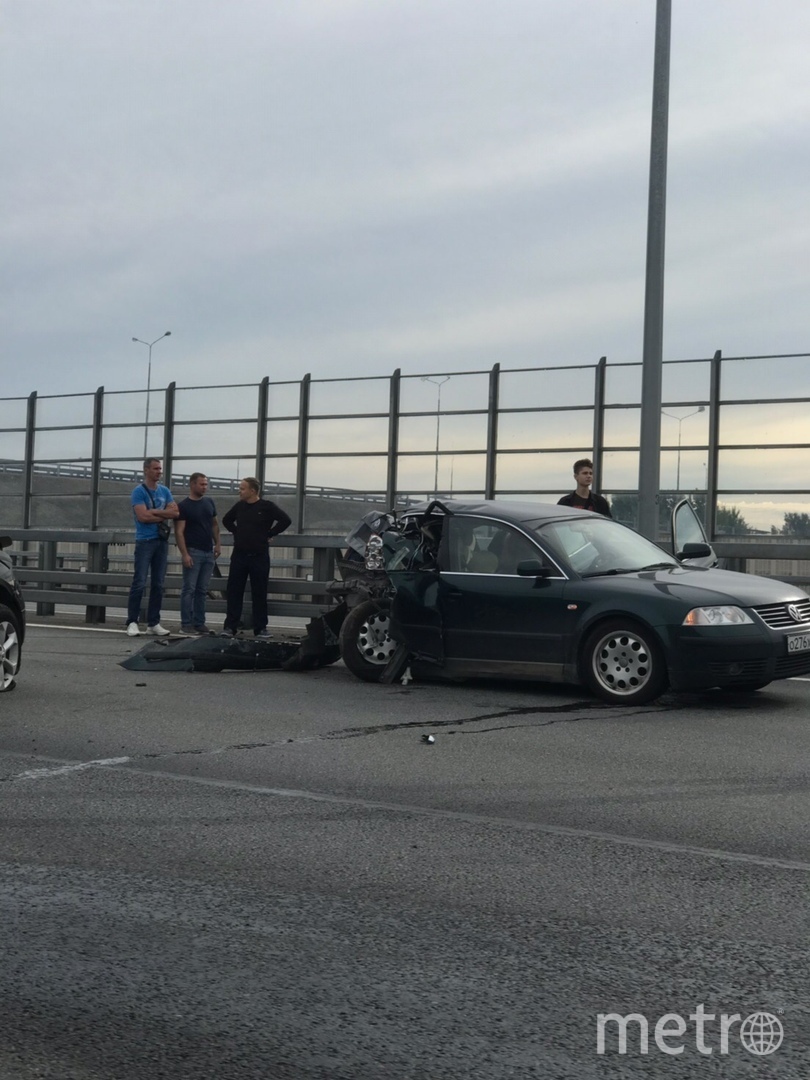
(149, 345)
(438, 383)
(680, 419)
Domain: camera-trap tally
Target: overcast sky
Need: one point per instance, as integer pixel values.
(344, 187)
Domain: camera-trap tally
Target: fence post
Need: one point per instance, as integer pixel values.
(713, 452)
(303, 444)
(28, 465)
(393, 440)
(599, 419)
(261, 431)
(168, 435)
(490, 469)
(95, 461)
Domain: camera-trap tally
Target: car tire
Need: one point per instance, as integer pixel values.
(623, 664)
(365, 644)
(10, 648)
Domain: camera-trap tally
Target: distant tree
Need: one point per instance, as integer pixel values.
(796, 525)
(730, 522)
(625, 509)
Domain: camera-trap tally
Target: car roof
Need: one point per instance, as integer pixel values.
(514, 512)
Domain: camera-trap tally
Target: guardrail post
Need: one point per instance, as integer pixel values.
(47, 561)
(323, 567)
(98, 562)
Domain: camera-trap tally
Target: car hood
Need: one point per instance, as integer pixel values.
(700, 587)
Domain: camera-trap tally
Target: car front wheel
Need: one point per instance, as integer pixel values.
(365, 644)
(9, 648)
(623, 664)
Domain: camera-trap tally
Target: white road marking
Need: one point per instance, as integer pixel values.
(60, 770)
(473, 818)
(469, 818)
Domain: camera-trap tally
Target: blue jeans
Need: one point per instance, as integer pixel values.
(195, 587)
(151, 559)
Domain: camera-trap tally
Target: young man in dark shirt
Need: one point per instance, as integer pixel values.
(254, 522)
(583, 498)
(196, 532)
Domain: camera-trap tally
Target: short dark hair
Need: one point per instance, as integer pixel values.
(197, 476)
(583, 463)
(148, 461)
(252, 483)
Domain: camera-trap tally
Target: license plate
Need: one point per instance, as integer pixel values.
(798, 642)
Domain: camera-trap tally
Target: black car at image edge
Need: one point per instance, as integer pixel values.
(536, 591)
(12, 620)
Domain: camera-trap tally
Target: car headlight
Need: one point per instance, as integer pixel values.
(374, 553)
(727, 615)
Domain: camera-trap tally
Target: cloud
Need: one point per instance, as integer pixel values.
(338, 185)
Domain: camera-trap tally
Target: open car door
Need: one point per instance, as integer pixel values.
(689, 542)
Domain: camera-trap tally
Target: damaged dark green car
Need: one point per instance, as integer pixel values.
(542, 592)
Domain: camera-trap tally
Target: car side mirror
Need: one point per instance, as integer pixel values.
(533, 568)
(694, 551)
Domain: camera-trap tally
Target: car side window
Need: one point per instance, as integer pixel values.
(512, 547)
(467, 550)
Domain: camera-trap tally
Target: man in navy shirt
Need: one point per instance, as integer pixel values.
(153, 508)
(196, 532)
(254, 522)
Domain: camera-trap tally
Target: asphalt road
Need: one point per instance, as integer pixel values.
(273, 876)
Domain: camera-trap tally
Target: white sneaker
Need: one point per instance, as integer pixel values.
(132, 629)
(158, 630)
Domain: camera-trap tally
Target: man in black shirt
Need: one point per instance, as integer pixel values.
(253, 522)
(583, 498)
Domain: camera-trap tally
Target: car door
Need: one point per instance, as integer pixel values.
(493, 619)
(687, 529)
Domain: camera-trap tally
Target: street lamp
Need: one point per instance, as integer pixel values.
(438, 383)
(149, 345)
(680, 419)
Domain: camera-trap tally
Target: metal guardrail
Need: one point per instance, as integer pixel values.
(102, 576)
(96, 586)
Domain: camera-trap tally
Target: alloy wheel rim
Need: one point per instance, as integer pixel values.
(373, 641)
(622, 663)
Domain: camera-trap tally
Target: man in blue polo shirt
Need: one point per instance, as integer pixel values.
(197, 534)
(153, 508)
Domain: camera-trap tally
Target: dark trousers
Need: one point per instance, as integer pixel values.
(253, 566)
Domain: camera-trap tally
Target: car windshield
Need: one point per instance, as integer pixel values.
(596, 545)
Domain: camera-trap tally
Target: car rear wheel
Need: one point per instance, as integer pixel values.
(623, 664)
(365, 643)
(9, 648)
